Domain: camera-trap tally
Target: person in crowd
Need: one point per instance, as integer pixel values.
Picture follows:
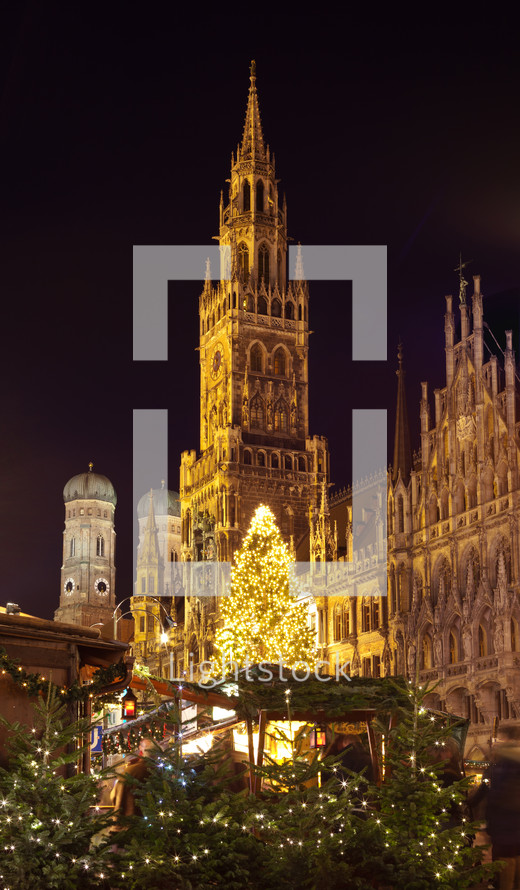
(136, 768)
(449, 758)
(354, 758)
(501, 791)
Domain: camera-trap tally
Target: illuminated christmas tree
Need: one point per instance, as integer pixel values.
(48, 813)
(263, 621)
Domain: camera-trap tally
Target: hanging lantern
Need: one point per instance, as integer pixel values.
(129, 703)
(318, 737)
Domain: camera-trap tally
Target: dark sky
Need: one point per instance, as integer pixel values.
(116, 128)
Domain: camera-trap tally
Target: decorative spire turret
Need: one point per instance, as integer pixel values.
(253, 138)
(402, 448)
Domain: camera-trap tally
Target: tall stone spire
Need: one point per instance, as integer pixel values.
(149, 556)
(402, 448)
(253, 139)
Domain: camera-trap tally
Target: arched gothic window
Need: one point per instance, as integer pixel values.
(281, 416)
(247, 457)
(276, 308)
(400, 514)
(100, 546)
(279, 362)
(257, 412)
(262, 306)
(263, 264)
(289, 309)
(275, 461)
(246, 196)
(256, 358)
(243, 261)
(445, 504)
(260, 196)
(73, 547)
(454, 656)
(365, 617)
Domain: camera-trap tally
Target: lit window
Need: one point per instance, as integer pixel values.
(263, 265)
(257, 412)
(243, 262)
(279, 361)
(280, 416)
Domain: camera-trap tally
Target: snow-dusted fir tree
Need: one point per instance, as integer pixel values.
(263, 620)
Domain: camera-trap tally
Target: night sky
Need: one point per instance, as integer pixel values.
(116, 128)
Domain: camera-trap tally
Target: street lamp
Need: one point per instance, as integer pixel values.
(163, 637)
(167, 619)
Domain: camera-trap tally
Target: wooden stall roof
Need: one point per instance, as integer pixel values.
(317, 700)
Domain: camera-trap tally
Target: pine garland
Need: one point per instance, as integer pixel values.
(35, 684)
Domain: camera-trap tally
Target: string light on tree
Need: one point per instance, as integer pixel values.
(263, 621)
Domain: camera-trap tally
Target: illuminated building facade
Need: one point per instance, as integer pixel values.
(452, 614)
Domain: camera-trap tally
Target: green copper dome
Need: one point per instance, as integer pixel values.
(90, 486)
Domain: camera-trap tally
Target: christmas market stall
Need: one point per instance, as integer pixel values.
(265, 713)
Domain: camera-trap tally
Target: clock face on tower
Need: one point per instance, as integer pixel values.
(101, 586)
(69, 585)
(216, 362)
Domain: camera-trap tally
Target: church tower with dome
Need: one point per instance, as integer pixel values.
(88, 572)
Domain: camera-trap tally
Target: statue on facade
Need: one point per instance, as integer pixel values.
(498, 635)
(467, 643)
(437, 650)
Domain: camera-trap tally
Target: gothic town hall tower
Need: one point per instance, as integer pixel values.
(254, 331)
